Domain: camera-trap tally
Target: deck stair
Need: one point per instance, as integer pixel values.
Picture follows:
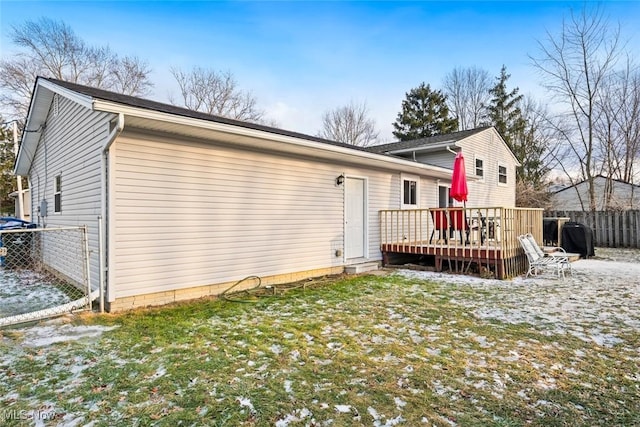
(363, 267)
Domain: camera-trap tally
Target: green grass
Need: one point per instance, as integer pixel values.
(359, 351)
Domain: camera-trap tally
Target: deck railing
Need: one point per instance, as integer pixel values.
(488, 231)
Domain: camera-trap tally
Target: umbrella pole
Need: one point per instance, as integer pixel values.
(466, 230)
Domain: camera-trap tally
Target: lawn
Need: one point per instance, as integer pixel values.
(404, 348)
(23, 291)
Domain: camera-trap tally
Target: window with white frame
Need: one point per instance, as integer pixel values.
(502, 174)
(410, 192)
(479, 167)
(57, 194)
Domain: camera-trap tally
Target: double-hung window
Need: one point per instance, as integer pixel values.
(502, 174)
(410, 192)
(479, 169)
(57, 194)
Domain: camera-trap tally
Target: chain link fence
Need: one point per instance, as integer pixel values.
(43, 273)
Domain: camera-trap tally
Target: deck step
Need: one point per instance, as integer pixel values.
(362, 267)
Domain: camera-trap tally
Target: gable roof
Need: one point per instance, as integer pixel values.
(598, 177)
(450, 138)
(438, 143)
(148, 104)
(157, 116)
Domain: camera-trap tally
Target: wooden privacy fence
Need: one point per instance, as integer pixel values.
(614, 229)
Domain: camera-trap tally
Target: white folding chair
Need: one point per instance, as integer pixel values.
(538, 261)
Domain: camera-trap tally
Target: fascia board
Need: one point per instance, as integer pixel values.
(84, 100)
(339, 153)
(42, 93)
(426, 147)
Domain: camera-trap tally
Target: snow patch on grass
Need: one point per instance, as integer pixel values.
(591, 304)
(246, 403)
(296, 417)
(46, 335)
(23, 291)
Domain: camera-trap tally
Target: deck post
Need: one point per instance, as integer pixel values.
(385, 258)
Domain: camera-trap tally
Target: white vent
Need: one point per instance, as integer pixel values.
(56, 104)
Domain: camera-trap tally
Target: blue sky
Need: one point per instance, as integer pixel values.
(301, 58)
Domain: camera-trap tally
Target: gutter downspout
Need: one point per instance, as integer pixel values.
(115, 132)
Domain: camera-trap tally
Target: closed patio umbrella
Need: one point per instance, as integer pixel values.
(459, 190)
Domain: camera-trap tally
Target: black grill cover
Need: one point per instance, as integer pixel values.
(578, 238)
(550, 231)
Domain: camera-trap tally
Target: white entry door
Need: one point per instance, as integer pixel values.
(355, 218)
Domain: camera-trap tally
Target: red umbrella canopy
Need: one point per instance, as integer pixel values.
(459, 190)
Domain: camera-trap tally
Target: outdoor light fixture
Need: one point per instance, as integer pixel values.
(340, 180)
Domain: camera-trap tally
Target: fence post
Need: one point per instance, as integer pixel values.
(597, 230)
(635, 224)
(85, 241)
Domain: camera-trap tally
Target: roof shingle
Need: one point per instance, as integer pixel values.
(147, 104)
(415, 143)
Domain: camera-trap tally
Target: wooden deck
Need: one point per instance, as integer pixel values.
(476, 240)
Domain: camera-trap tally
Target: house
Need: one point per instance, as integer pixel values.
(621, 195)
(193, 203)
(489, 163)
(26, 204)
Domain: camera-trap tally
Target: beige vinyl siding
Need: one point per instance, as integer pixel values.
(488, 192)
(488, 146)
(70, 146)
(190, 214)
(430, 196)
(440, 158)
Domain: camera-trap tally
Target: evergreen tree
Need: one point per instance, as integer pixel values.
(504, 112)
(7, 179)
(424, 113)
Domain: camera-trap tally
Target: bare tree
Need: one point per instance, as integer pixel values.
(529, 195)
(467, 91)
(541, 129)
(628, 123)
(16, 83)
(618, 128)
(215, 93)
(574, 66)
(618, 125)
(539, 155)
(129, 76)
(51, 49)
(349, 124)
